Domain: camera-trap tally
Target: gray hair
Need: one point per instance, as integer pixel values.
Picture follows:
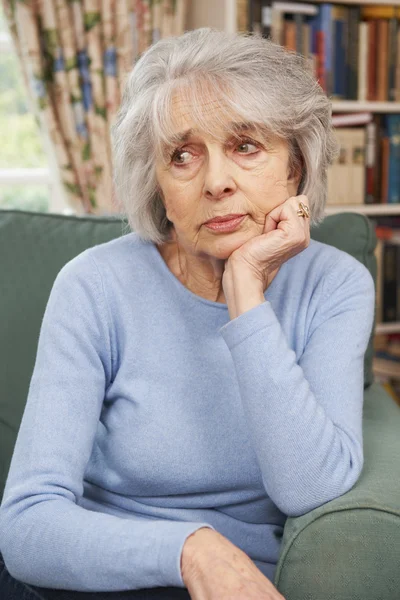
(248, 76)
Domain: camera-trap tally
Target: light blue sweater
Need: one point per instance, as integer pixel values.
(151, 414)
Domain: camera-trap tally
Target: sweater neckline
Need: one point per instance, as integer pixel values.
(184, 290)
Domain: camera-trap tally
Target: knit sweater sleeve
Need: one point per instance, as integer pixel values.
(304, 412)
(46, 538)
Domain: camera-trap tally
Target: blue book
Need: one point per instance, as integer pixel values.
(392, 122)
(326, 28)
(339, 80)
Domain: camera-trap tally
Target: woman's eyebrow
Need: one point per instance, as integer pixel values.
(236, 126)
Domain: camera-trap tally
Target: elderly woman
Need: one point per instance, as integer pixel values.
(199, 379)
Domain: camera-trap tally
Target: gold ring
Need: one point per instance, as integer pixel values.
(303, 211)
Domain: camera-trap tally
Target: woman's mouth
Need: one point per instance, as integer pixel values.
(227, 225)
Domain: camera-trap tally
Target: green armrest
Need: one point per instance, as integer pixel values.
(349, 549)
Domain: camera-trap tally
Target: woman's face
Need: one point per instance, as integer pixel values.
(207, 178)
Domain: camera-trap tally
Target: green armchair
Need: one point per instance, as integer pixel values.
(348, 549)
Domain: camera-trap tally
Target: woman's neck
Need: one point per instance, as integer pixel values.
(200, 276)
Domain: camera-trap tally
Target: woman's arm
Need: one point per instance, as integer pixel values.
(305, 417)
(46, 539)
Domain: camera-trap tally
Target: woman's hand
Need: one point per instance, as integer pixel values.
(219, 570)
(250, 269)
(285, 234)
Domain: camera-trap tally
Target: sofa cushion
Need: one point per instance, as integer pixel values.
(35, 246)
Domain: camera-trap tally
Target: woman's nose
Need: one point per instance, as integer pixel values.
(218, 179)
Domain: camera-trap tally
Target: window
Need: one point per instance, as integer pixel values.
(25, 178)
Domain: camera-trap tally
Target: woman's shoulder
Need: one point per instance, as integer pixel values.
(117, 252)
(332, 267)
(330, 258)
(327, 268)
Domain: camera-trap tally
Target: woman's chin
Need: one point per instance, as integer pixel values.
(226, 243)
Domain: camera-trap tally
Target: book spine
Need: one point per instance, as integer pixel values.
(326, 29)
(277, 25)
(390, 131)
(390, 282)
(299, 21)
(250, 14)
(370, 161)
(289, 35)
(354, 14)
(392, 51)
(306, 49)
(394, 158)
(382, 60)
(339, 59)
(257, 18)
(385, 168)
(398, 284)
(377, 119)
(372, 59)
(397, 69)
(242, 16)
(314, 58)
(378, 252)
(266, 18)
(362, 61)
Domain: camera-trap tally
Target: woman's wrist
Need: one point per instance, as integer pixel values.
(243, 291)
(192, 549)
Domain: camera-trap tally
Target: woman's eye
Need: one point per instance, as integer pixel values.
(247, 143)
(178, 153)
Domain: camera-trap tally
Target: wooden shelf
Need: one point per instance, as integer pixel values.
(393, 3)
(365, 209)
(387, 328)
(356, 106)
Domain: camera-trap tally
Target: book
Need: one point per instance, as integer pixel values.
(370, 162)
(352, 52)
(378, 252)
(393, 133)
(382, 60)
(346, 176)
(242, 16)
(372, 61)
(392, 59)
(389, 293)
(266, 18)
(339, 49)
(362, 92)
(384, 159)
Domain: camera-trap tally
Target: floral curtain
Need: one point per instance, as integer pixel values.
(75, 55)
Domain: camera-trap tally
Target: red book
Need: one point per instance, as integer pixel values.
(320, 45)
(289, 33)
